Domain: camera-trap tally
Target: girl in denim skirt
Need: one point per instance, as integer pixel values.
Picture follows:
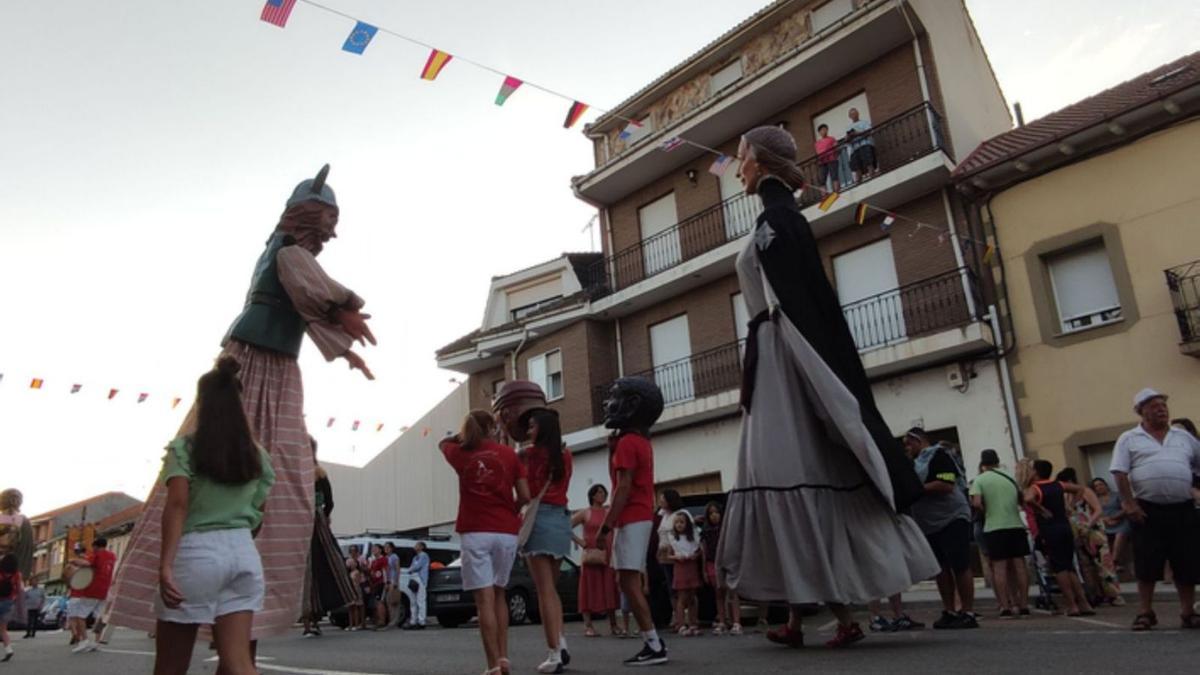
(548, 464)
(210, 573)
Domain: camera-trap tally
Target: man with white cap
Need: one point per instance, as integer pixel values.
(1155, 466)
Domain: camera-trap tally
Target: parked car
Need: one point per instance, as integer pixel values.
(440, 553)
(454, 607)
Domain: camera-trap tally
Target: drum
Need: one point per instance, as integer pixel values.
(81, 578)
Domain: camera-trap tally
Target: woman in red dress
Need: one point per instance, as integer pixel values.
(597, 583)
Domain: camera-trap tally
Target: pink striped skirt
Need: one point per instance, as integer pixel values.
(273, 396)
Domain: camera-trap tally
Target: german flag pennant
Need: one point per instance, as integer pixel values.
(573, 115)
(860, 213)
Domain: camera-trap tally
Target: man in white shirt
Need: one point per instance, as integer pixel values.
(863, 161)
(420, 569)
(1155, 467)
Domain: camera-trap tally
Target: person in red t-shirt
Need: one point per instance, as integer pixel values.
(827, 159)
(90, 600)
(548, 464)
(488, 476)
(378, 578)
(633, 406)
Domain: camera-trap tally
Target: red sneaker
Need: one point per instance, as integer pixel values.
(786, 636)
(845, 636)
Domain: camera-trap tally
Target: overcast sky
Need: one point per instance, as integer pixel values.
(148, 148)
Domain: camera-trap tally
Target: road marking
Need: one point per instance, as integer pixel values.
(311, 671)
(829, 626)
(1096, 622)
(106, 650)
(214, 659)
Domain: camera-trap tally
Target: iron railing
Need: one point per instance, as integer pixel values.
(898, 141)
(697, 376)
(902, 139)
(916, 309)
(1183, 282)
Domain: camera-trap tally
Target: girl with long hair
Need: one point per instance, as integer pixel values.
(548, 465)
(597, 583)
(491, 488)
(728, 603)
(685, 556)
(210, 572)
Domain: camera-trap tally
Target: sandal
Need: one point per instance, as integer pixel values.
(505, 665)
(1189, 620)
(845, 636)
(1143, 622)
(736, 629)
(784, 635)
(590, 632)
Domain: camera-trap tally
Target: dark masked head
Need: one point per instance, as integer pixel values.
(634, 403)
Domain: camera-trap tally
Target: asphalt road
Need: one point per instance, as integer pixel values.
(1043, 643)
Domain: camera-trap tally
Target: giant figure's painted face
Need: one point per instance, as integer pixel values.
(633, 403)
(512, 405)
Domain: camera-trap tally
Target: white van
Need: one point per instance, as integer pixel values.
(440, 553)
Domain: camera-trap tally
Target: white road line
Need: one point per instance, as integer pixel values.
(1096, 622)
(829, 626)
(106, 650)
(311, 671)
(214, 659)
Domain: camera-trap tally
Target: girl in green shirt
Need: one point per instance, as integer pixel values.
(217, 481)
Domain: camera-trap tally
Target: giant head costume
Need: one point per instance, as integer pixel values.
(512, 405)
(311, 214)
(633, 404)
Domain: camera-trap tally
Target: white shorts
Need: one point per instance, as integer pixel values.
(630, 543)
(218, 572)
(487, 559)
(80, 608)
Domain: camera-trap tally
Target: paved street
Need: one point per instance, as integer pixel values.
(1053, 644)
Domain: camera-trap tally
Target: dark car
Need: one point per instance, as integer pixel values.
(454, 607)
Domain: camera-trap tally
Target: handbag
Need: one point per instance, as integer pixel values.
(594, 556)
(529, 516)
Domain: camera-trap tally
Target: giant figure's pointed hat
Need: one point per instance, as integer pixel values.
(314, 189)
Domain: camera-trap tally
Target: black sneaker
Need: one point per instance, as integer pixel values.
(1024, 611)
(880, 625)
(947, 621)
(905, 622)
(967, 620)
(648, 657)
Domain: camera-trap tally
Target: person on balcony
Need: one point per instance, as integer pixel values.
(815, 452)
(827, 159)
(863, 162)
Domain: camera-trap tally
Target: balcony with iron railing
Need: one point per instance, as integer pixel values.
(1183, 283)
(899, 141)
(907, 315)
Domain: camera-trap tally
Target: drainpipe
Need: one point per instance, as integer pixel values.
(516, 374)
(916, 43)
(958, 256)
(1014, 422)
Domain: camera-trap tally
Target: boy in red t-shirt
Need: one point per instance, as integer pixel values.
(90, 600)
(634, 405)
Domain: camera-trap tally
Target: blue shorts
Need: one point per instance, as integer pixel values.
(551, 532)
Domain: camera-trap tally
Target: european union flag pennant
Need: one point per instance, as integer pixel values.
(359, 38)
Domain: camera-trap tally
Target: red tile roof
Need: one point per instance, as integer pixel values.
(120, 517)
(1146, 88)
(63, 509)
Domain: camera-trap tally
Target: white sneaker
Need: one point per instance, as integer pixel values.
(83, 646)
(552, 664)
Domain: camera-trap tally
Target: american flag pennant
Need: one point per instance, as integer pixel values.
(112, 393)
(721, 165)
(142, 397)
(629, 130)
(329, 424)
(359, 38)
(75, 388)
(888, 220)
(672, 143)
(36, 383)
(175, 402)
(510, 85)
(433, 66)
(576, 111)
(276, 12)
(827, 202)
(354, 427)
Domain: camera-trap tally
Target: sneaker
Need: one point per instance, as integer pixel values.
(82, 647)
(8, 654)
(552, 664)
(784, 635)
(308, 634)
(648, 657)
(968, 620)
(1007, 614)
(905, 622)
(947, 621)
(845, 636)
(736, 629)
(718, 629)
(880, 625)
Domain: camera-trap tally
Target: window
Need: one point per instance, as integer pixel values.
(671, 352)
(828, 14)
(547, 372)
(867, 290)
(496, 386)
(725, 77)
(1085, 294)
(660, 237)
(524, 311)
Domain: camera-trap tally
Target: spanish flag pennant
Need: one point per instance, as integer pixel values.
(860, 213)
(828, 201)
(354, 427)
(112, 393)
(988, 254)
(142, 397)
(329, 423)
(573, 115)
(379, 427)
(510, 85)
(433, 66)
(175, 402)
(75, 388)
(36, 383)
